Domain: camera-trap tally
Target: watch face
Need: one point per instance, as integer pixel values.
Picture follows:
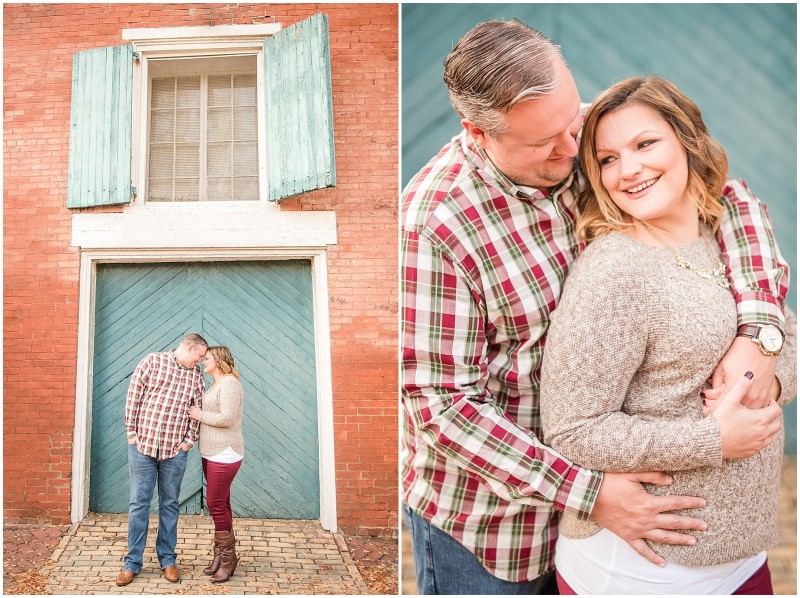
(771, 338)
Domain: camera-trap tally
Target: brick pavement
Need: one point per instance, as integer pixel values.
(276, 557)
(782, 558)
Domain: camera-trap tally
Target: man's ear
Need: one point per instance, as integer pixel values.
(474, 131)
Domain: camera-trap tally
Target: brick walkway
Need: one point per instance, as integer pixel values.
(782, 558)
(275, 557)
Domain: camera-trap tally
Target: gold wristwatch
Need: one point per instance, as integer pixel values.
(768, 337)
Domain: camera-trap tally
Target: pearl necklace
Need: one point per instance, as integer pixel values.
(717, 272)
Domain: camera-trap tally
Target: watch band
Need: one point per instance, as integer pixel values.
(750, 330)
(753, 331)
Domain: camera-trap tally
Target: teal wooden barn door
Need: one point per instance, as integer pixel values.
(263, 311)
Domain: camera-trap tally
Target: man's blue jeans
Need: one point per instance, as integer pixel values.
(444, 566)
(144, 472)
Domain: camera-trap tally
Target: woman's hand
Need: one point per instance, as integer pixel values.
(194, 412)
(711, 396)
(742, 356)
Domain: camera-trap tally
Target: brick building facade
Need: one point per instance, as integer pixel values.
(55, 261)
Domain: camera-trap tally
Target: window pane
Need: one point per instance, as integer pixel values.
(219, 124)
(187, 160)
(188, 92)
(161, 160)
(245, 189)
(219, 90)
(244, 90)
(159, 190)
(187, 189)
(245, 123)
(162, 123)
(219, 189)
(188, 125)
(220, 144)
(219, 159)
(163, 93)
(245, 159)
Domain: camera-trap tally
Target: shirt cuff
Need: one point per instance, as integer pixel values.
(759, 307)
(578, 492)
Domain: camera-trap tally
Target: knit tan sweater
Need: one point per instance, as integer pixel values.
(221, 417)
(629, 349)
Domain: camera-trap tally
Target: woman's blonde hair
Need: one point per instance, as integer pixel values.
(224, 360)
(708, 164)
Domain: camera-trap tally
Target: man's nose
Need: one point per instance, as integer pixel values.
(567, 146)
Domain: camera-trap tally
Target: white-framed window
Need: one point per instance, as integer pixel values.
(232, 113)
(202, 130)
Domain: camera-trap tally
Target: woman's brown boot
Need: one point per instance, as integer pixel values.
(228, 558)
(212, 568)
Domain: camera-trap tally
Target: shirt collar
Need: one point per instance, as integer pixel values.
(477, 156)
(175, 359)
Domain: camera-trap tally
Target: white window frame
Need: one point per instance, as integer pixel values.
(194, 42)
(190, 68)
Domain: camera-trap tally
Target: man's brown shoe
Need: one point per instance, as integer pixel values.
(125, 577)
(172, 573)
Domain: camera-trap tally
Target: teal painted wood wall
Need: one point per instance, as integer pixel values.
(263, 311)
(297, 75)
(100, 127)
(737, 62)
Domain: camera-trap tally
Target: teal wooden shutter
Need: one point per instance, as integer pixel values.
(100, 128)
(297, 72)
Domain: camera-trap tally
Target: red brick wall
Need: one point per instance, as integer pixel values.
(41, 269)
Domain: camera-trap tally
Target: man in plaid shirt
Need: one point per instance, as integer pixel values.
(163, 388)
(488, 237)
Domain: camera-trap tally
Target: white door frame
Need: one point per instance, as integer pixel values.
(83, 392)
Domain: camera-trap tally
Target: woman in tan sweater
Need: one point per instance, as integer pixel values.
(222, 449)
(645, 317)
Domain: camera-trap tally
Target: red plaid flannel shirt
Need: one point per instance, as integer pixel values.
(157, 407)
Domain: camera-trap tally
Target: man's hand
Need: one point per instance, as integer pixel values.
(625, 508)
(745, 356)
(134, 440)
(183, 447)
(744, 431)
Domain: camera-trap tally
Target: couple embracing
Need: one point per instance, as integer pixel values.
(167, 410)
(594, 354)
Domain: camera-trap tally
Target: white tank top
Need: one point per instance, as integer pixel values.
(227, 456)
(603, 563)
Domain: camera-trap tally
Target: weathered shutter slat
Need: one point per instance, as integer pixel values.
(100, 128)
(299, 124)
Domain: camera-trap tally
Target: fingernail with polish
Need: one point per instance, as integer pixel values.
(748, 375)
(702, 395)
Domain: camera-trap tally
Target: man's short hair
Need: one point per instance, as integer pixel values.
(494, 66)
(192, 340)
